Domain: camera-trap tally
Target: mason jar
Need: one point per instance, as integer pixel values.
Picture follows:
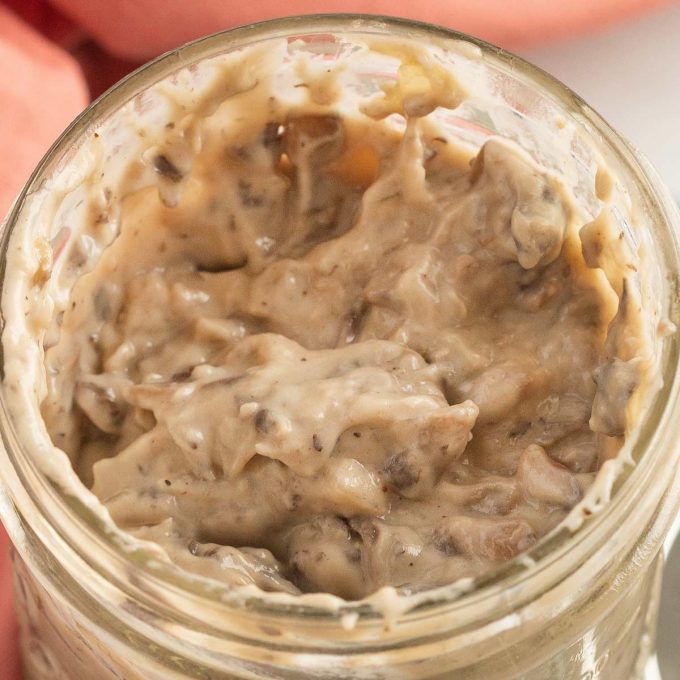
(94, 604)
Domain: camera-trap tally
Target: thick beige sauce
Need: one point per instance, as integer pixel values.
(330, 356)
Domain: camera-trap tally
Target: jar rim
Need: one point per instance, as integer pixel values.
(665, 406)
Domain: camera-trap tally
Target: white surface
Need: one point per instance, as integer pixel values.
(631, 75)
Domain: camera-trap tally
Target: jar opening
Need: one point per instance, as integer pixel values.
(650, 446)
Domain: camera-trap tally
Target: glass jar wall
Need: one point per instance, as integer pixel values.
(583, 604)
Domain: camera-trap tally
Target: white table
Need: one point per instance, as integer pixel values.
(631, 75)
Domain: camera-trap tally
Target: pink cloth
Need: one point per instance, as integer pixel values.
(140, 29)
(44, 82)
(41, 89)
(9, 650)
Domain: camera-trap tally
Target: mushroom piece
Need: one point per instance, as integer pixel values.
(483, 538)
(545, 480)
(327, 557)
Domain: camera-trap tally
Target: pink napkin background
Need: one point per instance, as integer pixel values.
(54, 57)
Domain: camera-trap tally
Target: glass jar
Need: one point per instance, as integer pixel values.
(581, 604)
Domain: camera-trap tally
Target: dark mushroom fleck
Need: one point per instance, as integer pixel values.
(165, 167)
(263, 420)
